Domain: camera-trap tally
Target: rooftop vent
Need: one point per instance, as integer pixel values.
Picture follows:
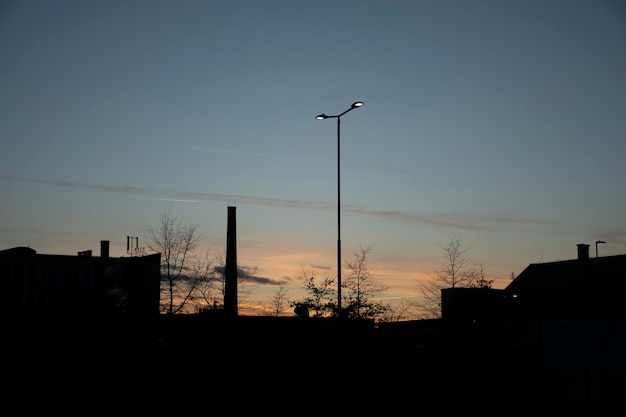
(583, 251)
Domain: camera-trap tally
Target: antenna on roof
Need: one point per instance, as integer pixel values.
(136, 250)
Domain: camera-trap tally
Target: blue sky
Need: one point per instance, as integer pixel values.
(500, 123)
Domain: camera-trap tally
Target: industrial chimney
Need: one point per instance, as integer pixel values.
(583, 251)
(230, 287)
(104, 248)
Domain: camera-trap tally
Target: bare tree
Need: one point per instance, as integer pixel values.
(176, 241)
(191, 280)
(481, 281)
(320, 295)
(395, 312)
(280, 300)
(361, 288)
(245, 275)
(457, 271)
(208, 294)
(211, 291)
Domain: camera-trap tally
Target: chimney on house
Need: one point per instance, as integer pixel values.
(230, 284)
(583, 251)
(104, 248)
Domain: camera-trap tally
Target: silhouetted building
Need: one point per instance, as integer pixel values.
(471, 304)
(37, 283)
(551, 342)
(584, 286)
(563, 326)
(574, 316)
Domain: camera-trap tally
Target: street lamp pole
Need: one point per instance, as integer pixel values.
(323, 116)
(598, 241)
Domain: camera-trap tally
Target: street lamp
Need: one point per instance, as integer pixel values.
(598, 241)
(323, 116)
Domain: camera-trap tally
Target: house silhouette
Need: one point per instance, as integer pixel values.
(552, 341)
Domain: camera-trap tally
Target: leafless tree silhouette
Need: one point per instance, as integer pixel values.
(361, 288)
(458, 271)
(211, 289)
(176, 241)
(320, 294)
(280, 300)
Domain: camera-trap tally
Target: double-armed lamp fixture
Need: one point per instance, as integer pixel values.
(354, 106)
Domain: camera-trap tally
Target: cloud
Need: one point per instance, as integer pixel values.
(456, 220)
(198, 148)
(265, 281)
(387, 169)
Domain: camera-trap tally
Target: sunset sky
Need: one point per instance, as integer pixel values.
(500, 123)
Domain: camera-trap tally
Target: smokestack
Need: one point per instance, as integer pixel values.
(583, 251)
(230, 287)
(104, 248)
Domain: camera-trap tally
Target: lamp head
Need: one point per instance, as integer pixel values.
(357, 104)
(321, 116)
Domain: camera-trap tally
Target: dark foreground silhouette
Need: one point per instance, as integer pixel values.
(248, 363)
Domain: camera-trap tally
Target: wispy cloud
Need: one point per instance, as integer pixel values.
(387, 169)
(172, 195)
(266, 281)
(457, 220)
(175, 200)
(200, 148)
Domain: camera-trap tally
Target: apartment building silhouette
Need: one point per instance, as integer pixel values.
(84, 283)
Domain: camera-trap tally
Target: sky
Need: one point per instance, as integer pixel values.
(498, 123)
